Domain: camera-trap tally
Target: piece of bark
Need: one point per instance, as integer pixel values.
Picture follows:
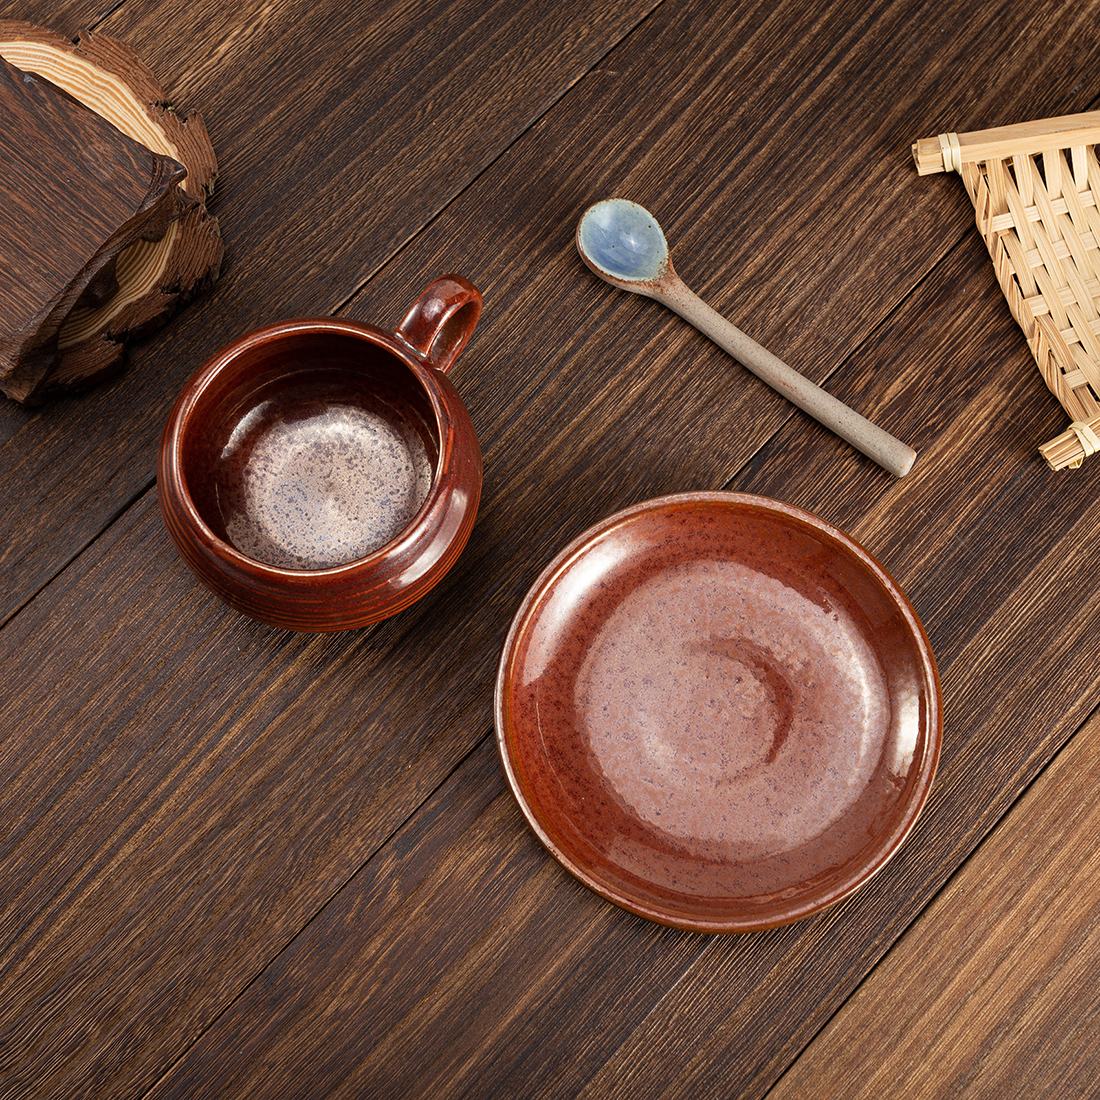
(154, 277)
(76, 193)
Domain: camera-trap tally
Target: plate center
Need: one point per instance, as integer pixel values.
(731, 712)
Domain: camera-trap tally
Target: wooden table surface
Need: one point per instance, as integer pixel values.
(240, 861)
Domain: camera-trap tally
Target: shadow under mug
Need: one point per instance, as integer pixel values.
(322, 474)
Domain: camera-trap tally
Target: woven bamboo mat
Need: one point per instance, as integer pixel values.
(1034, 187)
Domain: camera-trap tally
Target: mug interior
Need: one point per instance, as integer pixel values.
(311, 450)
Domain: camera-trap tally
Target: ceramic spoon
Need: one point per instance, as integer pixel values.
(622, 243)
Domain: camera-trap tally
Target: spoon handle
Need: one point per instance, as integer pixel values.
(890, 453)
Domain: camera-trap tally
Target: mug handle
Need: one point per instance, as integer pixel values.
(441, 320)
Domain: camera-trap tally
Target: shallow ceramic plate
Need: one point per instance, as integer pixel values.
(718, 711)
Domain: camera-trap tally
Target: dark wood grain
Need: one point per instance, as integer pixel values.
(995, 986)
(243, 862)
(69, 17)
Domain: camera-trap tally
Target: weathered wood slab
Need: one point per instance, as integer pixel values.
(76, 193)
(154, 278)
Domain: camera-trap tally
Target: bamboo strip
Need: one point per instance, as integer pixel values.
(1001, 142)
(1059, 206)
(1070, 449)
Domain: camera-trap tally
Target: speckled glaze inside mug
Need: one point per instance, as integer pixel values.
(718, 712)
(324, 460)
(322, 474)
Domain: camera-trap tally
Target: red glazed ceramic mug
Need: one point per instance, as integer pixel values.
(323, 474)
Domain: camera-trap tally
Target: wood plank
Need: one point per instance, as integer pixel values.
(204, 794)
(68, 17)
(434, 94)
(993, 991)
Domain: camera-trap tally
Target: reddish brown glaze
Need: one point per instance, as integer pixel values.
(718, 711)
(322, 474)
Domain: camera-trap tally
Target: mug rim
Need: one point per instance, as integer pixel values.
(222, 360)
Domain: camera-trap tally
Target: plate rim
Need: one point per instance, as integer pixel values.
(892, 841)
